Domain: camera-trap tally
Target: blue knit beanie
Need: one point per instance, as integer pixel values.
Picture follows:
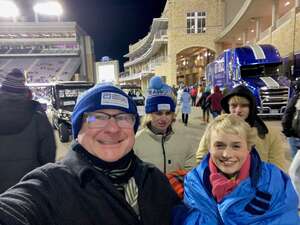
(159, 96)
(104, 96)
(14, 82)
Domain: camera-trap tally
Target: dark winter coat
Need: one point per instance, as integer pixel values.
(288, 116)
(26, 139)
(203, 101)
(73, 192)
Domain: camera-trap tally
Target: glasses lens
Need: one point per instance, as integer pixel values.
(97, 120)
(125, 120)
(100, 120)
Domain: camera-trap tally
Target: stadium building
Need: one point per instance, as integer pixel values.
(191, 33)
(46, 51)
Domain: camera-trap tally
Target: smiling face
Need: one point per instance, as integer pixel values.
(109, 143)
(228, 151)
(161, 120)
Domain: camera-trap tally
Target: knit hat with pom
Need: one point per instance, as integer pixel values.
(159, 96)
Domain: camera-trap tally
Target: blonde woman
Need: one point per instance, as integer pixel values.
(241, 102)
(232, 185)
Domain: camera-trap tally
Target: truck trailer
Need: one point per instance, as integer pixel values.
(258, 68)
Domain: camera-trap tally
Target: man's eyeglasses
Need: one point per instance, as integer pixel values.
(101, 119)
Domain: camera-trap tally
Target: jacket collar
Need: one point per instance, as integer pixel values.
(158, 137)
(85, 172)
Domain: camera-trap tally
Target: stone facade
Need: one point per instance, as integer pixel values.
(285, 35)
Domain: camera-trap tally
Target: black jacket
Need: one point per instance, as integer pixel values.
(26, 139)
(253, 119)
(288, 115)
(72, 192)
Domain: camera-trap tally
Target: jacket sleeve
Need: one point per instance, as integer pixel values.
(277, 149)
(288, 116)
(47, 145)
(27, 202)
(202, 150)
(190, 158)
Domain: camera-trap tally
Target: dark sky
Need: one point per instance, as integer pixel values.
(114, 24)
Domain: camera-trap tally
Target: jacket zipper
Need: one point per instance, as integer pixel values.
(164, 153)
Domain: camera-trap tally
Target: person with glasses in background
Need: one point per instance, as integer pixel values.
(101, 180)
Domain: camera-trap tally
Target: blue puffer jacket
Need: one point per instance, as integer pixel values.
(266, 197)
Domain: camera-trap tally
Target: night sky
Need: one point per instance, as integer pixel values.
(112, 24)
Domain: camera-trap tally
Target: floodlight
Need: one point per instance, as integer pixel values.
(50, 8)
(8, 9)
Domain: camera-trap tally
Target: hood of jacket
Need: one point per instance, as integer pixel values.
(253, 119)
(15, 114)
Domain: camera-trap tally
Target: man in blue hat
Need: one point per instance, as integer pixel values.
(101, 180)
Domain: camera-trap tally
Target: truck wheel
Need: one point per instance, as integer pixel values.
(63, 133)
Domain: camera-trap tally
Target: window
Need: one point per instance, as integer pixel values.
(196, 22)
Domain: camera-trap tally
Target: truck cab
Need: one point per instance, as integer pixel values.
(258, 68)
(63, 100)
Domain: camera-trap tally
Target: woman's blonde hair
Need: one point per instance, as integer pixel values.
(238, 100)
(148, 118)
(232, 124)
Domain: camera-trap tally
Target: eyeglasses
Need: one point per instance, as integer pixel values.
(101, 119)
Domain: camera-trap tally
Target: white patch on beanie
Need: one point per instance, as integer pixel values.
(161, 107)
(115, 99)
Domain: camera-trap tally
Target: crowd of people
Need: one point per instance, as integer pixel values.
(117, 172)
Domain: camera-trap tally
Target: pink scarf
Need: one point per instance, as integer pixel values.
(221, 185)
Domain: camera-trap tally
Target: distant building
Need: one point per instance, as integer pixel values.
(107, 71)
(191, 33)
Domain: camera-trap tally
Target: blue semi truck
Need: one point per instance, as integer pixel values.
(258, 68)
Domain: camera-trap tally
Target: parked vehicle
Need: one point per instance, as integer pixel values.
(257, 67)
(135, 92)
(63, 99)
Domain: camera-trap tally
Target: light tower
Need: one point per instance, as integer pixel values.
(8, 9)
(48, 8)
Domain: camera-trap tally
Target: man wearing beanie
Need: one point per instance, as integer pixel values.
(157, 142)
(26, 136)
(101, 180)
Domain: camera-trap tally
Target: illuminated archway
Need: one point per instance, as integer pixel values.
(191, 63)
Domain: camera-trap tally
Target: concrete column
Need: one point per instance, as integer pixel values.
(244, 37)
(274, 13)
(257, 29)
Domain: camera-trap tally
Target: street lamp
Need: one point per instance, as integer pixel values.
(8, 9)
(49, 8)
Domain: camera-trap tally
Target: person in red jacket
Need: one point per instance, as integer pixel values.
(215, 102)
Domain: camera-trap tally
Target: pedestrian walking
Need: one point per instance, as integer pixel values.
(26, 135)
(101, 180)
(232, 185)
(291, 121)
(205, 105)
(241, 102)
(193, 94)
(185, 106)
(215, 102)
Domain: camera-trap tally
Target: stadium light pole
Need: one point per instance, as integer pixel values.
(49, 8)
(8, 9)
